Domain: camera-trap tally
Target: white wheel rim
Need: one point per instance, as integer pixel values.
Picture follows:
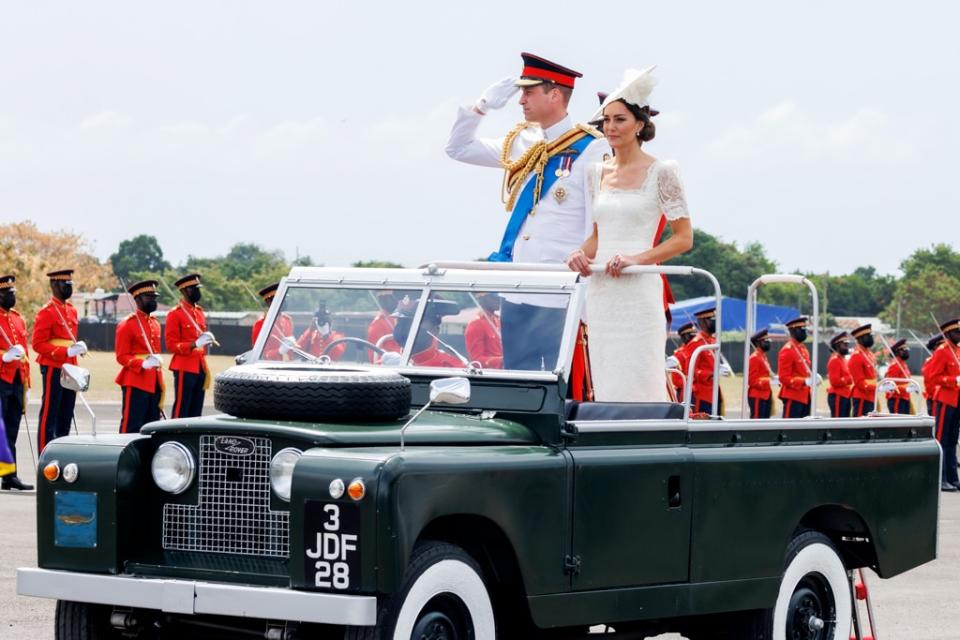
(453, 577)
(815, 558)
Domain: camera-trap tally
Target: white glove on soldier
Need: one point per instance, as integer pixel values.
(286, 344)
(775, 380)
(672, 363)
(13, 353)
(77, 349)
(887, 387)
(497, 95)
(958, 381)
(391, 359)
(152, 362)
(725, 369)
(204, 339)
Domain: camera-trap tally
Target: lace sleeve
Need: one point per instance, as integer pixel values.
(673, 201)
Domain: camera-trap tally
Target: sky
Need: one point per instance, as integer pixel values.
(824, 130)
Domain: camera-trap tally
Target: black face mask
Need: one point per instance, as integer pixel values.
(903, 354)
(66, 290)
(149, 306)
(867, 341)
(764, 345)
(954, 336)
(710, 326)
(843, 349)
(799, 334)
(194, 295)
(8, 300)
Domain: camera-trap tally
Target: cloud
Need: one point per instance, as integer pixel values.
(788, 132)
(106, 120)
(295, 133)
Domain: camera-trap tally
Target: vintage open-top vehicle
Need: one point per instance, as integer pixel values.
(365, 490)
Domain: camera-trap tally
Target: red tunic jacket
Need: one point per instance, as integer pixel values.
(131, 350)
(15, 331)
(841, 382)
(433, 357)
(281, 328)
(760, 373)
(929, 386)
(863, 369)
(50, 337)
(682, 354)
(899, 369)
(943, 371)
(181, 334)
(314, 343)
(703, 370)
(483, 341)
(793, 368)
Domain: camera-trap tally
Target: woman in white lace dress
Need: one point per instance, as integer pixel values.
(630, 194)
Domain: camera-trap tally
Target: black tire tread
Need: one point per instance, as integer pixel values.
(80, 621)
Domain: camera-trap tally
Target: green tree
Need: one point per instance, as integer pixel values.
(733, 267)
(927, 291)
(141, 253)
(939, 257)
(376, 264)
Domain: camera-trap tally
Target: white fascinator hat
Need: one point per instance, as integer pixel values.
(635, 89)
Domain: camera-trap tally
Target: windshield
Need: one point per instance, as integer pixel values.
(480, 330)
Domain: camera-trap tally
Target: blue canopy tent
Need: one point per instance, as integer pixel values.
(733, 313)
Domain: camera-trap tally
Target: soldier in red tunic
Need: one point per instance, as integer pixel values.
(898, 401)
(188, 339)
(282, 326)
(318, 336)
(863, 369)
(383, 323)
(944, 371)
(14, 373)
(760, 376)
(929, 386)
(482, 334)
(704, 367)
(428, 350)
(794, 370)
(137, 346)
(841, 382)
(687, 333)
(56, 344)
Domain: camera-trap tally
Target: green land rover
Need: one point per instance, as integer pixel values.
(386, 485)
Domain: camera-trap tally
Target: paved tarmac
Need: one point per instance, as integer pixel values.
(921, 604)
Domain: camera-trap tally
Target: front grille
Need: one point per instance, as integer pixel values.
(233, 511)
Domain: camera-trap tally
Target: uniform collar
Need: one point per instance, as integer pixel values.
(557, 130)
(65, 303)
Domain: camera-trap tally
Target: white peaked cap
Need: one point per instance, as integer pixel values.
(635, 88)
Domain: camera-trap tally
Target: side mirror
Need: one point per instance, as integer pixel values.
(74, 378)
(450, 390)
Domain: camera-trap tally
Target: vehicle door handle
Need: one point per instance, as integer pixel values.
(674, 500)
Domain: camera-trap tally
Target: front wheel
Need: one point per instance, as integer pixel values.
(442, 597)
(82, 621)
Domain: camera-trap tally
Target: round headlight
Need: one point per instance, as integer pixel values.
(173, 467)
(70, 472)
(281, 471)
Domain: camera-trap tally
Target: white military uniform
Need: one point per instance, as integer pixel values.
(556, 228)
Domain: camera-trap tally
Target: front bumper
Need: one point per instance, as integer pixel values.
(198, 597)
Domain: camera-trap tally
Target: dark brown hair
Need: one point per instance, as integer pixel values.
(649, 130)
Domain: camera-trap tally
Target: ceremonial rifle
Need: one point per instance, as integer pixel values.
(923, 345)
(143, 331)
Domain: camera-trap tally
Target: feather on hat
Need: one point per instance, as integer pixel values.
(635, 88)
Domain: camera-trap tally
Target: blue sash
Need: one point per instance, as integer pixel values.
(525, 202)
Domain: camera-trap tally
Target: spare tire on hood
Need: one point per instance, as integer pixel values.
(311, 394)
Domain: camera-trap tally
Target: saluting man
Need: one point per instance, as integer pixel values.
(794, 371)
(944, 371)
(759, 392)
(282, 326)
(898, 401)
(704, 367)
(14, 373)
(544, 158)
(482, 335)
(188, 339)
(55, 341)
(929, 385)
(838, 374)
(863, 369)
(136, 347)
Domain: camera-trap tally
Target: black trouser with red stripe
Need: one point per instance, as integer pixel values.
(839, 406)
(706, 406)
(139, 408)
(56, 407)
(760, 408)
(899, 405)
(861, 407)
(188, 402)
(795, 409)
(11, 400)
(947, 428)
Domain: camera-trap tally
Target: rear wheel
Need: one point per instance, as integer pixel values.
(82, 621)
(442, 597)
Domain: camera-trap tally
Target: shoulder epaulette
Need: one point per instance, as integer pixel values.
(593, 131)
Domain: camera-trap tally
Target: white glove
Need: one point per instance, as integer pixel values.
(497, 95)
(152, 362)
(887, 386)
(775, 380)
(286, 344)
(958, 381)
(809, 381)
(725, 369)
(391, 359)
(77, 349)
(204, 339)
(13, 353)
(672, 363)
